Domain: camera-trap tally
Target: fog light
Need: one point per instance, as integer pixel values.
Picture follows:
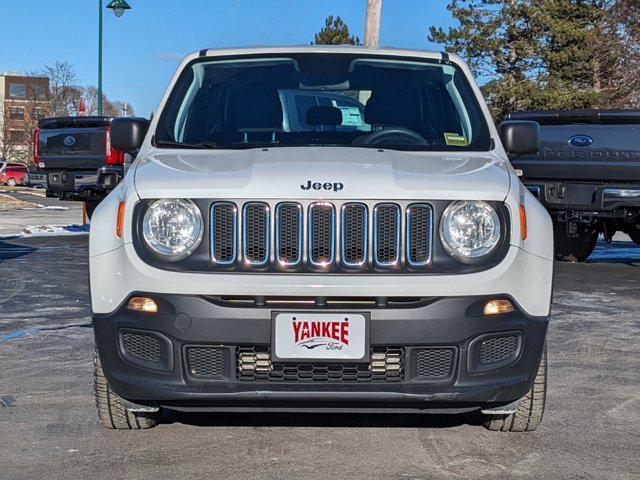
(496, 307)
(143, 304)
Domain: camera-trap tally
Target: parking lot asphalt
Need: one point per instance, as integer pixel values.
(49, 430)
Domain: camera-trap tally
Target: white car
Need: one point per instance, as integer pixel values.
(382, 253)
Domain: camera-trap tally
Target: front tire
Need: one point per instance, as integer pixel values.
(111, 412)
(573, 249)
(11, 182)
(634, 233)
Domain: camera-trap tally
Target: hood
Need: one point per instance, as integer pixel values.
(330, 172)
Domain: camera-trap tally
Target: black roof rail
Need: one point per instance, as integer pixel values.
(576, 116)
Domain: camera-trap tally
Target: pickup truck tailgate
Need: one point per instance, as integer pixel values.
(73, 148)
(604, 150)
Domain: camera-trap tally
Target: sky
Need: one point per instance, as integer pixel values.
(142, 49)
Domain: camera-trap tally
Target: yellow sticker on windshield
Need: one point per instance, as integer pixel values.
(455, 139)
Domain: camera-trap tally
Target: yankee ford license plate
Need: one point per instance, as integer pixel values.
(330, 336)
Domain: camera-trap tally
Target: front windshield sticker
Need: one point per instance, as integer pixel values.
(455, 139)
(351, 116)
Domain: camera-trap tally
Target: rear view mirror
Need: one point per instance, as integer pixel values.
(127, 133)
(520, 137)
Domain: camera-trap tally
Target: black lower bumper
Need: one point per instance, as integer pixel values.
(598, 199)
(441, 345)
(82, 184)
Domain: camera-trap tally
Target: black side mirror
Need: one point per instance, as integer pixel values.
(127, 133)
(520, 137)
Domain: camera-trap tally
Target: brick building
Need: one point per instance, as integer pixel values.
(23, 101)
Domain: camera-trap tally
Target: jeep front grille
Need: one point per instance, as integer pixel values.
(310, 236)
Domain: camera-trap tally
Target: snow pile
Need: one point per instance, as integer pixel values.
(49, 230)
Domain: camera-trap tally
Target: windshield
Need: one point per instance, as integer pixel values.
(322, 100)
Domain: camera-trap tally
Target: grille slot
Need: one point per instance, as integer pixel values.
(498, 349)
(386, 240)
(255, 239)
(321, 234)
(434, 363)
(355, 239)
(141, 346)
(223, 233)
(419, 234)
(289, 234)
(205, 362)
(254, 365)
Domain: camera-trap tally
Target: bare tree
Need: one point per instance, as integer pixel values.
(109, 108)
(9, 150)
(64, 92)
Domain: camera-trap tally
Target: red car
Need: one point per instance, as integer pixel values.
(12, 174)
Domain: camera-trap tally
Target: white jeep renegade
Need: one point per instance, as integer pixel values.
(321, 227)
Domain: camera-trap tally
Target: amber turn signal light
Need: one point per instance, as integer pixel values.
(120, 219)
(496, 307)
(143, 304)
(523, 223)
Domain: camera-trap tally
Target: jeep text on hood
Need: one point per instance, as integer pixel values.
(320, 227)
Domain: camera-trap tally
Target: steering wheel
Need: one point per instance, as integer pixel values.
(393, 136)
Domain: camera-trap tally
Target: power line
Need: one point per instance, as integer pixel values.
(230, 17)
(273, 16)
(279, 18)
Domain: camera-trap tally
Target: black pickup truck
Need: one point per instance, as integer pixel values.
(76, 155)
(587, 174)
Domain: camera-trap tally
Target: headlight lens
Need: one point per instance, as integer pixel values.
(173, 228)
(469, 230)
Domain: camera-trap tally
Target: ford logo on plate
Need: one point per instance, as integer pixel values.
(580, 141)
(69, 141)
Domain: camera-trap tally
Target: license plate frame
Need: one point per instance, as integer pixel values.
(365, 358)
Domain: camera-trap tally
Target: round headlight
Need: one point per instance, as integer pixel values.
(173, 228)
(469, 230)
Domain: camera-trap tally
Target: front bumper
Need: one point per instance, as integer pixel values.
(187, 321)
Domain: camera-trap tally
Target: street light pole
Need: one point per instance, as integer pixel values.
(100, 58)
(118, 7)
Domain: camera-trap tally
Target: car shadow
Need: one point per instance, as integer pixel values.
(324, 419)
(10, 250)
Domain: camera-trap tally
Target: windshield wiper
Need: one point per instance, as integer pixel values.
(174, 144)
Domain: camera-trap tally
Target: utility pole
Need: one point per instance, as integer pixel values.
(372, 23)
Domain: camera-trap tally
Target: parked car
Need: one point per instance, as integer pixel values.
(12, 174)
(397, 265)
(78, 159)
(37, 179)
(587, 174)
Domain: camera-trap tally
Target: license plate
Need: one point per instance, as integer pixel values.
(320, 336)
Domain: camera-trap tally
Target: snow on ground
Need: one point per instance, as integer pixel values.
(49, 230)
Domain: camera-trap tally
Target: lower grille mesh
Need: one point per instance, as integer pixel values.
(497, 349)
(206, 362)
(435, 363)
(254, 365)
(141, 346)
